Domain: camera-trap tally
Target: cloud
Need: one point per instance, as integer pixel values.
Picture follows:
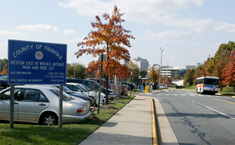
(141, 11)
(225, 26)
(38, 28)
(11, 34)
(4, 50)
(149, 12)
(173, 34)
(69, 31)
(87, 8)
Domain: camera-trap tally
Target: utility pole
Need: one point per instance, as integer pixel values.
(160, 68)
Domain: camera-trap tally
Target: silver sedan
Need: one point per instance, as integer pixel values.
(40, 104)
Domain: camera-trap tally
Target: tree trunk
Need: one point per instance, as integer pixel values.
(106, 90)
(107, 78)
(233, 89)
(221, 88)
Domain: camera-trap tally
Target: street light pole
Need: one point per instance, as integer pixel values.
(160, 68)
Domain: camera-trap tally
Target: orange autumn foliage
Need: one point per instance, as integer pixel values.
(4, 72)
(110, 38)
(229, 71)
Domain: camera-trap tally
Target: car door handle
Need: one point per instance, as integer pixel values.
(16, 103)
(42, 104)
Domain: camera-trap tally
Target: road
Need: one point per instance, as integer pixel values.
(199, 119)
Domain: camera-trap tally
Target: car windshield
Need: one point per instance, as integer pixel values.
(67, 90)
(66, 97)
(84, 88)
(88, 89)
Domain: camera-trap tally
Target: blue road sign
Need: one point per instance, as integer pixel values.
(36, 62)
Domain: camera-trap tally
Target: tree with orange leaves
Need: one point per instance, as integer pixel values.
(110, 38)
(153, 75)
(228, 72)
(4, 72)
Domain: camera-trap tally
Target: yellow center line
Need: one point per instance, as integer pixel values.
(224, 101)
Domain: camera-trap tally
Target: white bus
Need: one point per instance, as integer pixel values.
(207, 84)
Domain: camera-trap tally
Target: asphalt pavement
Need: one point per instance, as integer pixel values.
(199, 118)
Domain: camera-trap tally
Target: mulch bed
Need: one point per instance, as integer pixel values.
(109, 107)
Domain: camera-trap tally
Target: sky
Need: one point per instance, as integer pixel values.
(189, 31)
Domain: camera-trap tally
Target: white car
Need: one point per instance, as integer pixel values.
(76, 87)
(40, 104)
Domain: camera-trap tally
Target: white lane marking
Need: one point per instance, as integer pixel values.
(218, 112)
(183, 94)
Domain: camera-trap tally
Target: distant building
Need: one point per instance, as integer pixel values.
(176, 71)
(141, 63)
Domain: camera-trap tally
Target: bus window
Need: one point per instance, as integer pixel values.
(211, 82)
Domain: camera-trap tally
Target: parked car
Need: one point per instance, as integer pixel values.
(76, 87)
(130, 85)
(155, 86)
(94, 86)
(4, 81)
(75, 95)
(162, 86)
(121, 87)
(40, 104)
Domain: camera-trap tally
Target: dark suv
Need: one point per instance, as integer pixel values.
(4, 81)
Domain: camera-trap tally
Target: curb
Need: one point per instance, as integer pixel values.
(224, 95)
(166, 133)
(154, 124)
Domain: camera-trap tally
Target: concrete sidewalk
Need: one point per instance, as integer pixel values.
(132, 125)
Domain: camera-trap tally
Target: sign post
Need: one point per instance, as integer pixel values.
(12, 107)
(35, 63)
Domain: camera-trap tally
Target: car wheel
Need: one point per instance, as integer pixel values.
(49, 119)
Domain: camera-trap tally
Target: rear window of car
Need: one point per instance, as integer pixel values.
(212, 81)
(33, 95)
(66, 97)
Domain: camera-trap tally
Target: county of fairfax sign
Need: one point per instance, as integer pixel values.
(36, 62)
